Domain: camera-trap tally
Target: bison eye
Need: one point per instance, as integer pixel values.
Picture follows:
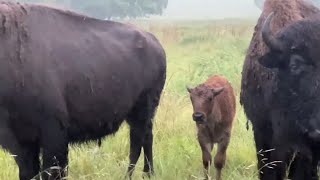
(294, 67)
(296, 64)
(210, 99)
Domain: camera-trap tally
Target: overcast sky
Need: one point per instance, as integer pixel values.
(213, 9)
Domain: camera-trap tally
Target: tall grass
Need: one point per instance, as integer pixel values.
(195, 51)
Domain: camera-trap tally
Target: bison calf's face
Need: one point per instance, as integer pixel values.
(202, 98)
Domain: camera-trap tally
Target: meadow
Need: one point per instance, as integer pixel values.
(195, 50)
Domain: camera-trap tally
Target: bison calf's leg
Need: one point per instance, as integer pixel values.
(220, 158)
(206, 148)
(55, 152)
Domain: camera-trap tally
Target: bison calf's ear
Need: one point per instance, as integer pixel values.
(217, 91)
(270, 60)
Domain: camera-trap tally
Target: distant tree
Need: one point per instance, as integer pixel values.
(111, 8)
(119, 8)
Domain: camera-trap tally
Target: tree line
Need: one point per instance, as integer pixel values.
(108, 9)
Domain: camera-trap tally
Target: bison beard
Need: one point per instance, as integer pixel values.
(280, 99)
(67, 78)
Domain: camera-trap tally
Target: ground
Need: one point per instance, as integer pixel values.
(195, 51)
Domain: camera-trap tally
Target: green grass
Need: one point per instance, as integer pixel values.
(195, 51)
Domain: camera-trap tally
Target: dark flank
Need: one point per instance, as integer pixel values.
(68, 78)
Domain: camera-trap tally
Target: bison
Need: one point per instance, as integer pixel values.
(279, 89)
(67, 78)
(214, 107)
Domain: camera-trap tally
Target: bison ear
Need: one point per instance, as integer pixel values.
(189, 89)
(270, 60)
(217, 91)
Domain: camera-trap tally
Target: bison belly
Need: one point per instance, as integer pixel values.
(97, 107)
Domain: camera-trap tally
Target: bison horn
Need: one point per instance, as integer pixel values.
(267, 36)
(189, 89)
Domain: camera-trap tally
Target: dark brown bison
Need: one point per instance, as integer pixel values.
(68, 78)
(279, 95)
(214, 107)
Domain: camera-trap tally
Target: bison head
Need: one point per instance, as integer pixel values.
(286, 52)
(202, 98)
(294, 53)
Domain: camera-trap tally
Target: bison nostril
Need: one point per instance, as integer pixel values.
(198, 116)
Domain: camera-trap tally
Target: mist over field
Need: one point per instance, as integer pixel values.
(211, 9)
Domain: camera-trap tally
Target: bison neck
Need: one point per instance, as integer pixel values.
(299, 110)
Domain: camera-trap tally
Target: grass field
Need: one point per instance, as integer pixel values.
(195, 50)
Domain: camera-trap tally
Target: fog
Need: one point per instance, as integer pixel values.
(211, 9)
(175, 9)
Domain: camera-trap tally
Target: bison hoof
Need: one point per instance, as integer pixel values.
(148, 174)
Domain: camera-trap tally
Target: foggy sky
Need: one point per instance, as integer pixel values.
(211, 9)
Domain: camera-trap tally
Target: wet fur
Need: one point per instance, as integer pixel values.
(218, 126)
(68, 78)
(259, 84)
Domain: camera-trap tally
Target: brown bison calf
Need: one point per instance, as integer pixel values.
(214, 108)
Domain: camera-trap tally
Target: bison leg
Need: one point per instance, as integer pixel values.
(147, 148)
(141, 137)
(262, 132)
(277, 164)
(315, 163)
(140, 121)
(220, 158)
(302, 168)
(55, 151)
(27, 158)
(136, 138)
(26, 155)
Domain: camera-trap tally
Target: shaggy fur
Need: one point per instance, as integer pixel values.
(259, 84)
(214, 107)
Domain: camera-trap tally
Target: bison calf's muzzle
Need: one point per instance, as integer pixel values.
(198, 117)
